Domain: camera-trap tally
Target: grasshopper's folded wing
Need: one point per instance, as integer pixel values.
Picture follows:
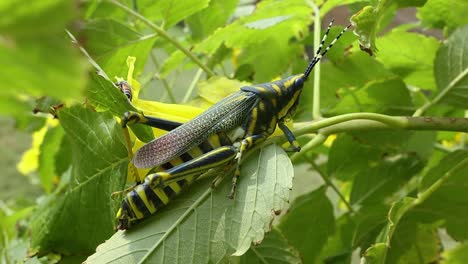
(223, 116)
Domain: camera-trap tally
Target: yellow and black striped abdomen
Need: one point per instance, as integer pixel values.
(150, 196)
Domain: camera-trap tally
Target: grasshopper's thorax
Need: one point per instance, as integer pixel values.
(278, 101)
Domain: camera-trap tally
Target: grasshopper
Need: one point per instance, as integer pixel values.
(216, 138)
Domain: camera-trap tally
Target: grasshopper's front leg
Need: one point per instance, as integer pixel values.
(290, 136)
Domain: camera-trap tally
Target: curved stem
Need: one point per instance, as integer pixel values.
(441, 95)
(330, 184)
(164, 35)
(392, 121)
(192, 86)
(314, 142)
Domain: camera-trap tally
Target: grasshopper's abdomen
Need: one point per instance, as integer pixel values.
(157, 191)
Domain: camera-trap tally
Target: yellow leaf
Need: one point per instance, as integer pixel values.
(30, 158)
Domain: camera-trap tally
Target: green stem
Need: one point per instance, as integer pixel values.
(192, 86)
(391, 121)
(368, 121)
(425, 194)
(330, 184)
(163, 34)
(442, 94)
(316, 115)
(163, 80)
(317, 140)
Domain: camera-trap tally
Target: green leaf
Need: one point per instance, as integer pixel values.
(445, 195)
(48, 151)
(105, 96)
(338, 80)
(110, 43)
(330, 4)
(308, 224)
(457, 255)
(443, 14)
(387, 96)
(377, 165)
(414, 59)
(75, 220)
(371, 19)
(338, 248)
(273, 249)
(202, 225)
(170, 12)
(351, 155)
(49, 17)
(49, 66)
(404, 239)
(268, 50)
(451, 69)
(207, 20)
(365, 23)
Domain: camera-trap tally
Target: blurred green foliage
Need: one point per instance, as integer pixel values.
(380, 196)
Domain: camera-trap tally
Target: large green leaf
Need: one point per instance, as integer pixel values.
(403, 239)
(77, 218)
(414, 59)
(273, 249)
(106, 97)
(48, 17)
(215, 15)
(170, 12)
(264, 38)
(41, 60)
(387, 96)
(411, 231)
(110, 43)
(445, 196)
(444, 14)
(451, 69)
(341, 79)
(352, 155)
(202, 225)
(47, 66)
(308, 224)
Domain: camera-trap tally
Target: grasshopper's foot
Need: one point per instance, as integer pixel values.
(130, 118)
(293, 149)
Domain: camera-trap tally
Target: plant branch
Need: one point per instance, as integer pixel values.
(163, 80)
(365, 122)
(163, 34)
(192, 86)
(330, 184)
(316, 91)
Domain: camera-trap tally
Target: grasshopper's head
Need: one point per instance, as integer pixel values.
(291, 87)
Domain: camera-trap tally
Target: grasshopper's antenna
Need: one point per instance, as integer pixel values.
(319, 55)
